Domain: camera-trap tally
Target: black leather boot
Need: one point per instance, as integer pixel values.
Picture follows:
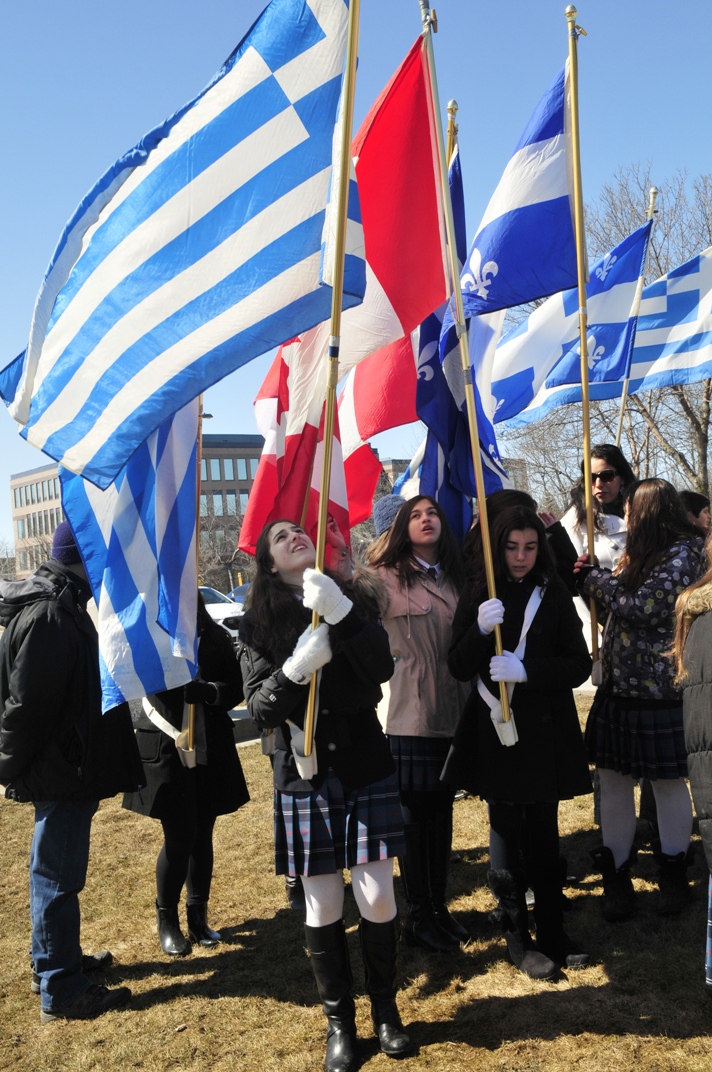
(510, 889)
(618, 893)
(439, 850)
(173, 941)
(295, 892)
(420, 927)
(551, 938)
(672, 879)
(329, 957)
(379, 943)
(198, 929)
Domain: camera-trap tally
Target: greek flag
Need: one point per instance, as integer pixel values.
(204, 246)
(525, 246)
(542, 354)
(447, 472)
(137, 540)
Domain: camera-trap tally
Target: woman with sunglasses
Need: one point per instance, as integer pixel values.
(337, 808)
(634, 728)
(523, 767)
(421, 567)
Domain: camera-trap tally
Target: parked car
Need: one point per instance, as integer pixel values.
(239, 594)
(223, 610)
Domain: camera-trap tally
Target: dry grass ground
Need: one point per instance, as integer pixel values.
(251, 1006)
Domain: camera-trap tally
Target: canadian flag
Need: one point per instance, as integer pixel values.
(395, 156)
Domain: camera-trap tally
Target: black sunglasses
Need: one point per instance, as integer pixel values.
(605, 476)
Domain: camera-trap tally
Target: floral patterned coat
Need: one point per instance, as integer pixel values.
(642, 623)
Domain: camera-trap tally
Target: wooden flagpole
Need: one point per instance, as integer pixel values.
(582, 271)
(429, 27)
(335, 340)
(650, 215)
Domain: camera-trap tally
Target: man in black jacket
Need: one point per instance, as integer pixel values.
(58, 751)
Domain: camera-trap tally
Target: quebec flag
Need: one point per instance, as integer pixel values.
(525, 247)
(539, 357)
(205, 245)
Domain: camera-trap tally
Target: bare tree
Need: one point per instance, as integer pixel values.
(220, 562)
(666, 432)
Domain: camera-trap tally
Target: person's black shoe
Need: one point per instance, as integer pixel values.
(295, 893)
(91, 962)
(93, 1002)
(173, 941)
(198, 929)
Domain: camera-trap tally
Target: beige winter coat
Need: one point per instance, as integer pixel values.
(424, 699)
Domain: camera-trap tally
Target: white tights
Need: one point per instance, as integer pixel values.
(674, 808)
(373, 889)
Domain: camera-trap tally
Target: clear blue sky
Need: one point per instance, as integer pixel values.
(81, 82)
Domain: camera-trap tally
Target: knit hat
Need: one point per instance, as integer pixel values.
(64, 547)
(384, 512)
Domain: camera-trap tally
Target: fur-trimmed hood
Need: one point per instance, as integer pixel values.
(698, 602)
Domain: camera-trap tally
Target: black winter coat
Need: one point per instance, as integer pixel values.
(55, 744)
(697, 710)
(548, 762)
(349, 737)
(217, 787)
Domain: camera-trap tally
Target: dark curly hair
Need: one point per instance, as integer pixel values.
(397, 554)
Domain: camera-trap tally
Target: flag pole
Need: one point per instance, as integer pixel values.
(581, 266)
(199, 457)
(650, 215)
(429, 27)
(335, 331)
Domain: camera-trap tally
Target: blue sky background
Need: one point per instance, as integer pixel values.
(81, 82)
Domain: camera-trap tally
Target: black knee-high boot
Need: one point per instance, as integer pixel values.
(439, 850)
(379, 944)
(510, 889)
(329, 957)
(420, 925)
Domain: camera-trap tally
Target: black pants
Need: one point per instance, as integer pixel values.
(524, 836)
(185, 859)
(420, 806)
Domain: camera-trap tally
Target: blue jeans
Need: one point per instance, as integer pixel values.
(58, 871)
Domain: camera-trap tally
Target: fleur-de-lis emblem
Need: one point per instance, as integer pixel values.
(603, 269)
(479, 279)
(595, 353)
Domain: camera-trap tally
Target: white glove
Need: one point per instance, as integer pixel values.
(507, 667)
(491, 613)
(312, 651)
(325, 597)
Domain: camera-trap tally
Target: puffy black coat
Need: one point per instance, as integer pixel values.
(697, 709)
(349, 737)
(548, 762)
(55, 744)
(218, 787)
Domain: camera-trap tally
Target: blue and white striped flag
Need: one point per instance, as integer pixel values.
(525, 246)
(204, 246)
(539, 357)
(447, 471)
(137, 540)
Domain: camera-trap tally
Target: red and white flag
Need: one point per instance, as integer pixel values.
(395, 155)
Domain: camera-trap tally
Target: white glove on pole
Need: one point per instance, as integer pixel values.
(490, 613)
(323, 595)
(507, 667)
(312, 651)
(506, 731)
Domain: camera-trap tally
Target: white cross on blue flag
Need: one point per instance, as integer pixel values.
(525, 246)
(541, 356)
(204, 246)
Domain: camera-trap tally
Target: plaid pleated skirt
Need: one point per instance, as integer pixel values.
(628, 736)
(419, 762)
(331, 828)
(708, 951)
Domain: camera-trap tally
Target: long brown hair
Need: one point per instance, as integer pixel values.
(515, 519)
(397, 554)
(656, 521)
(684, 620)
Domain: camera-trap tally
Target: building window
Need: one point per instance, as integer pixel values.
(214, 468)
(46, 521)
(218, 504)
(231, 499)
(21, 530)
(242, 469)
(50, 489)
(16, 497)
(23, 560)
(40, 530)
(203, 505)
(203, 469)
(229, 468)
(56, 488)
(38, 489)
(254, 462)
(32, 492)
(243, 501)
(220, 539)
(44, 491)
